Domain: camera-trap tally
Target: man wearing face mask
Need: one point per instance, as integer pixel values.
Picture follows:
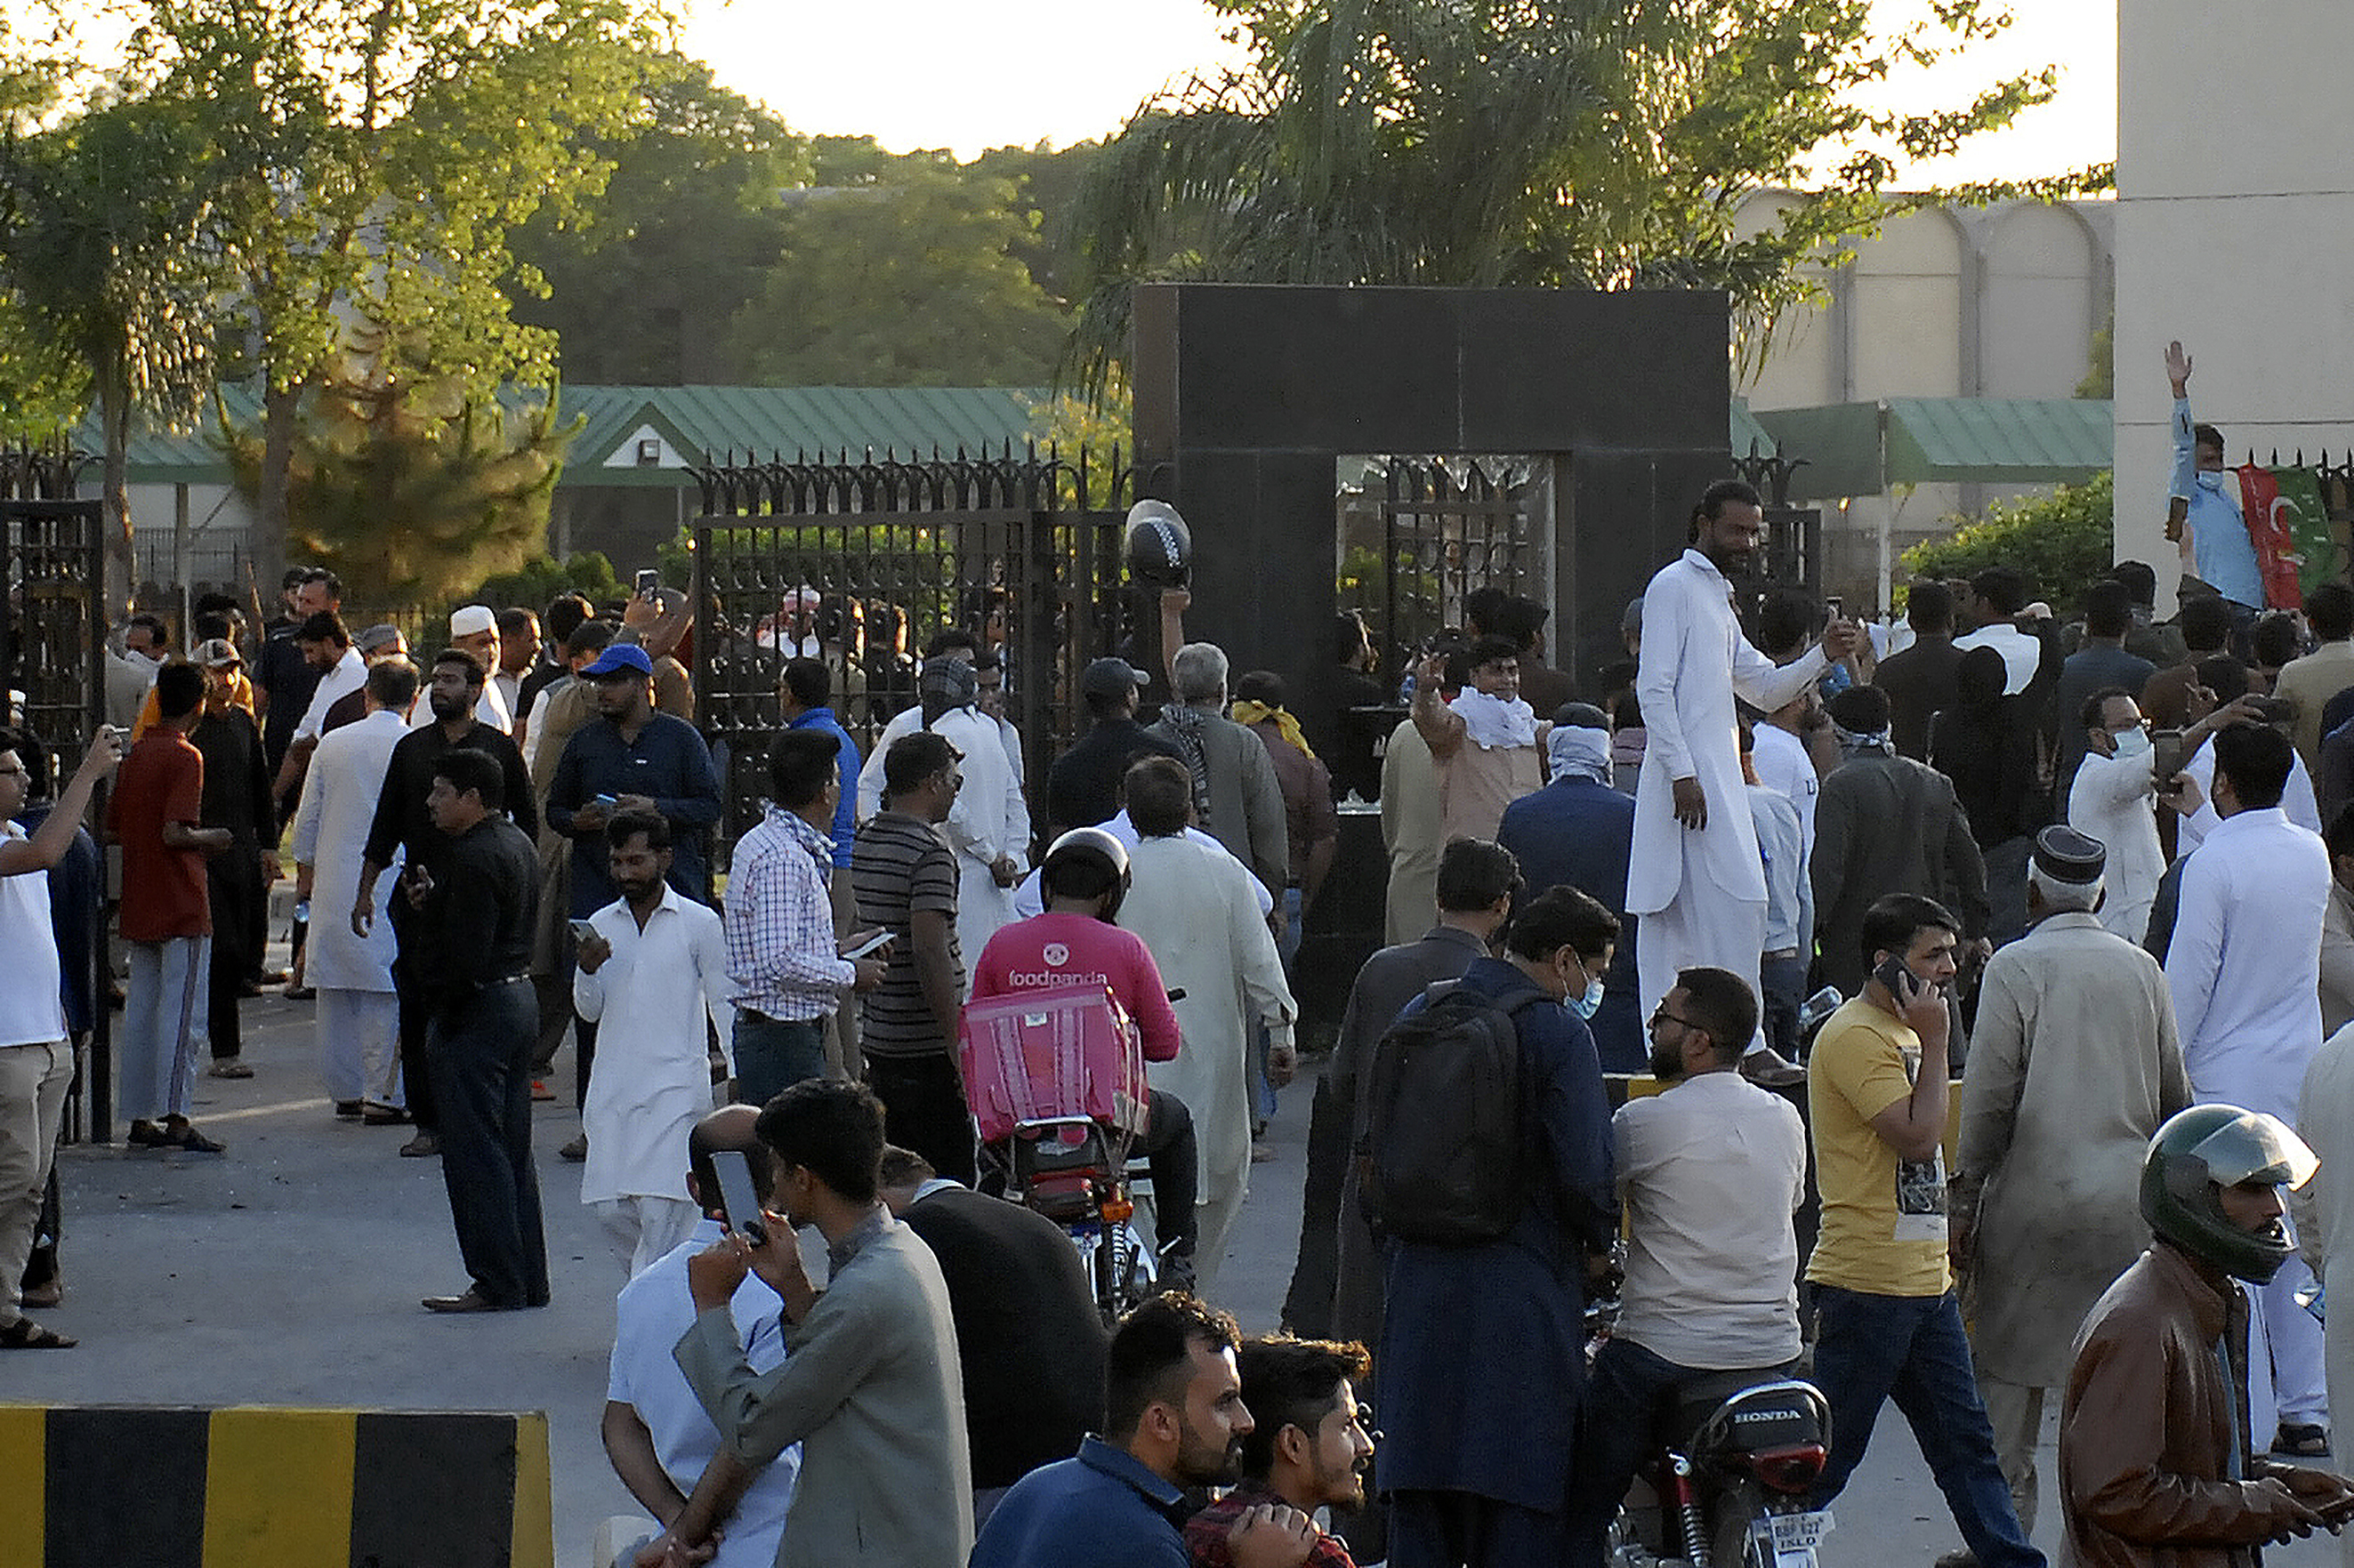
(2073, 1063)
(1710, 1172)
(2202, 507)
(2111, 802)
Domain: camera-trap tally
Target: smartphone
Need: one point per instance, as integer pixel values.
(581, 931)
(649, 582)
(738, 1205)
(1901, 982)
(2166, 754)
(873, 944)
(1836, 605)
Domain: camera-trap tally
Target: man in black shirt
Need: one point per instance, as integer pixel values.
(235, 797)
(473, 927)
(404, 826)
(1083, 786)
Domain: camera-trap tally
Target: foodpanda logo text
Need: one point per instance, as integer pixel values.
(1053, 978)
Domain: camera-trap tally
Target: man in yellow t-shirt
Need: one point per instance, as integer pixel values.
(1888, 1324)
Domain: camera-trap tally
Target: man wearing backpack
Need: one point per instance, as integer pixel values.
(1474, 1461)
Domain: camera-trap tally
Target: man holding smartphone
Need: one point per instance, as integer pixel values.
(1890, 1324)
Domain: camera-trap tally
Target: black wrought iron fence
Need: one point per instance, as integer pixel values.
(53, 678)
(857, 562)
(1449, 527)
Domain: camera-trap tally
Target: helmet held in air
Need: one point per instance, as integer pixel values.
(1159, 547)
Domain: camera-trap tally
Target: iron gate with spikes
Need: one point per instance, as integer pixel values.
(857, 562)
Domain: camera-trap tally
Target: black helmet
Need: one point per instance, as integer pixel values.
(2198, 1152)
(1160, 547)
(1086, 863)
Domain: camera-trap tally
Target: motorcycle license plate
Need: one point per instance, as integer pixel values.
(1794, 1536)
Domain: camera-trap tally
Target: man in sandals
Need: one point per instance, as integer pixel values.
(36, 1058)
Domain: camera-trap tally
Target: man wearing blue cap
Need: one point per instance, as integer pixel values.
(630, 759)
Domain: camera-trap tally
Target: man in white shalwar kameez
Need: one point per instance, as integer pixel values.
(1694, 875)
(1194, 908)
(2244, 967)
(2113, 799)
(980, 826)
(654, 969)
(358, 1015)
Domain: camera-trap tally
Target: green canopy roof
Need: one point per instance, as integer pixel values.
(700, 424)
(1869, 448)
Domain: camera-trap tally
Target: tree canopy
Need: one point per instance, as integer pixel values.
(1595, 143)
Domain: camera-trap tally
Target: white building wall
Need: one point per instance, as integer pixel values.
(1998, 303)
(2235, 217)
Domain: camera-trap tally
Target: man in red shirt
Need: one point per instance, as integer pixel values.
(1082, 879)
(1309, 1449)
(166, 915)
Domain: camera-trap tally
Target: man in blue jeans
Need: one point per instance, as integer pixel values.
(1888, 1324)
(781, 950)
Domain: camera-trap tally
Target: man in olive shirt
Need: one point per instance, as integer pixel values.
(474, 913)
(1889, 1324)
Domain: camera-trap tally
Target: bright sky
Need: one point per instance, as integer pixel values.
(974, 74)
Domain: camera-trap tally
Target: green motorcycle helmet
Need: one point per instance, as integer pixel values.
(2203, 1149)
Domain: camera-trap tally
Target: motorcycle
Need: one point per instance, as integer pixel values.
(1734, 1494)
(1073, 1171)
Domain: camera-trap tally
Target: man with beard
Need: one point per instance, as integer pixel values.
(1710, 1172)
(655, 965)
(404, 827)
(2156, 1464)
(1307, 1447)
(630, 759)
(1175, 1417)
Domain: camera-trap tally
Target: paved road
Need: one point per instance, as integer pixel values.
(288, 1272)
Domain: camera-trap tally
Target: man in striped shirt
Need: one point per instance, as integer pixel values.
(781, 949)
(905, 877)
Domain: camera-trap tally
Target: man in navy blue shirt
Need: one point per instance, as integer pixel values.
(1575, 832)
(633, 759)
(1174, 1411)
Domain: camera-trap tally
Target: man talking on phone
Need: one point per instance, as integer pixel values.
(1889, 1323)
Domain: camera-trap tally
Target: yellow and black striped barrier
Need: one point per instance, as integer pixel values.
(251, 1486)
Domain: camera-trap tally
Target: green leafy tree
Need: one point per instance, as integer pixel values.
(645, 287)
(407, 484)
(2063, 541)
(538, 580)
(1588, 143)
(378, 157)
(908, 279)
(103, 270)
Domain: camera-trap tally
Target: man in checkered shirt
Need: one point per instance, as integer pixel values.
(781, 950)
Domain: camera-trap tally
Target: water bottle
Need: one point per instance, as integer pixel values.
(1817, 1007)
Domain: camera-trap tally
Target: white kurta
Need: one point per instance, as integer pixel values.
(1694, 662)
(2246, 962)
(905, 722)
(652, 1081)
(349, 673)
(2113, 800)
(1701, 895)
(2298, 803)
(331, 829)
(979, 825)
(1194, 910)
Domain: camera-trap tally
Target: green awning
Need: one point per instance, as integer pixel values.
(1870, 449)
(1749, 438)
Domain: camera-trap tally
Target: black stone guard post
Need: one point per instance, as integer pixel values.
(1246, 395)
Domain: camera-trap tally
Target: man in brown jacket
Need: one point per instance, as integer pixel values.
(2155, 1464)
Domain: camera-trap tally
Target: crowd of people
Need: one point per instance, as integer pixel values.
(2067, 885)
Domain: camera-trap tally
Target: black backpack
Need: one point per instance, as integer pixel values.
(1440, 1150)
